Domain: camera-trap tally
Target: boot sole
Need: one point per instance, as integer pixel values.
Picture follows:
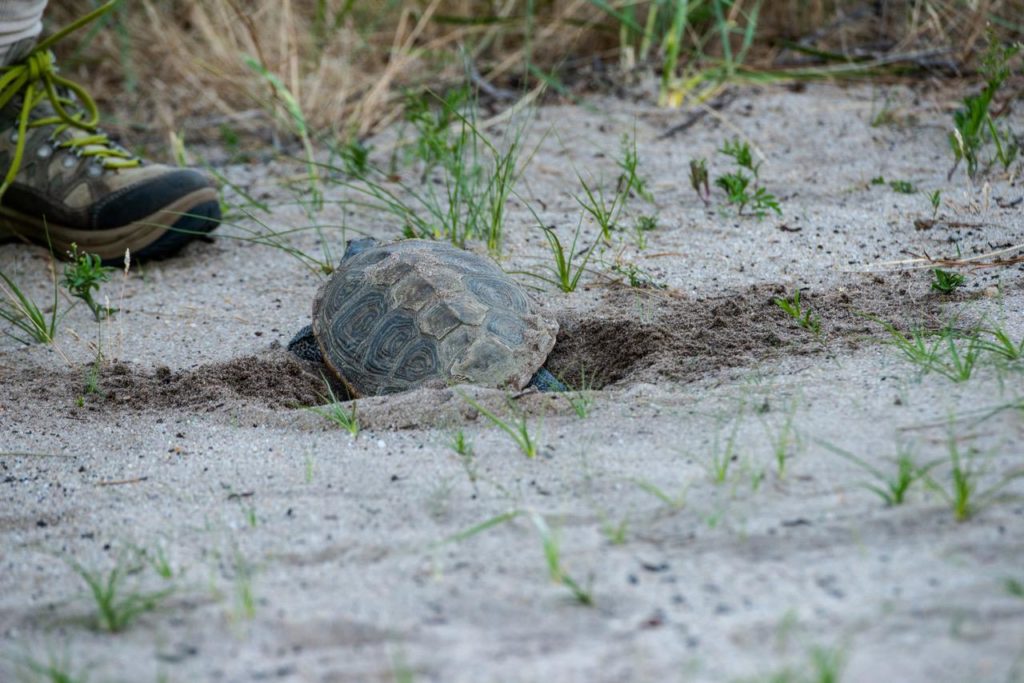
(156, 236)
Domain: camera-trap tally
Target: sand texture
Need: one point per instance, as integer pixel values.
(300, 553)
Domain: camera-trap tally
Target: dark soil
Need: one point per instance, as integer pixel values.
(274, 378)
(654, 337)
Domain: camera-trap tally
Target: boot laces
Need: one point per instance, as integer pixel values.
(71, 109)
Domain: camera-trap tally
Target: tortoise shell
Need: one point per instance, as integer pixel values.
(419, 313)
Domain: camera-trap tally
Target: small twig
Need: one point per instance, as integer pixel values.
(929, 223)
(119, 482)
(920, 262)
(974, 262)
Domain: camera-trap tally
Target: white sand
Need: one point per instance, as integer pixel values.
(339, 537)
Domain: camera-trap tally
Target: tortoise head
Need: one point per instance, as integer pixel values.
(304, 345)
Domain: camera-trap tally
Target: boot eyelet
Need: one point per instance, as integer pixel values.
(70, 161)
(14, 136)
(95, 171)
(44, 152)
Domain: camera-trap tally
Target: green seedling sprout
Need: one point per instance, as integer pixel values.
(355, 158)
(84, 274)
(783, 439)
(741, 189)
(677, 502)
(615, 533)
(804, 317)
(117, 605)
(723, 458)
(336, 413)
(549, 540)
(470, 178)
(517, 428)
(1001, 344)
(634, 275)
(629, 179)
(582, 398)
(738, 192)
(54, 670)
(643, 225)
(893, 487)
(566, 273)
(741, 154)
(735, 186)
(461, 444)
(463, 447)
(553, 556)
(939, 351)
(963, 494)
(902, 186)
(245, 595)
(604, 212)
(945, 281)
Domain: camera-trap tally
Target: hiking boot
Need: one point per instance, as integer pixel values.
(66, 182)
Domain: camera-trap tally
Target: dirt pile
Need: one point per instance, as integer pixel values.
(642, 336)
(274, 378)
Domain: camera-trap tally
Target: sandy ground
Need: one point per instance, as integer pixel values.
(299, 553)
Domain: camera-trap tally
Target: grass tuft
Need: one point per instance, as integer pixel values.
(516, 427)
(582, 397)
(553, 557)
(334, 411)
(893, 487)
(53, 670)
(25, 315)
(948, 351)
(118, 606)
(963, 492)
(974, 121)
(804, 317)
(566, 269)
(466, 178)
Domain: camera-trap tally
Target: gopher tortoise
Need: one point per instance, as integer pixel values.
(417, 313)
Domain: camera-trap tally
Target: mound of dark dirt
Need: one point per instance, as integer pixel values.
(274, 379)
(644, 336)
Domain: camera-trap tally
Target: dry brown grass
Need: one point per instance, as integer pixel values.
(348, 78)
(173, 65)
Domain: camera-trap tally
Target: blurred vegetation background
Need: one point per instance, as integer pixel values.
(345, 67)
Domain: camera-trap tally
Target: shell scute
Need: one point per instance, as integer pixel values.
(438, 320)
(413, 292)
(388, 341)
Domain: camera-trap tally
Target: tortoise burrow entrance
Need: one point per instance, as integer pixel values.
(634, 336)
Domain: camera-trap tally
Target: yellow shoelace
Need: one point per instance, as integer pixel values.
(36, 78)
